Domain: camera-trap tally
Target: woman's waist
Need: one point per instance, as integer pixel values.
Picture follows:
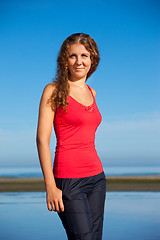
(76, 163)
(75, 157)
(76, 146)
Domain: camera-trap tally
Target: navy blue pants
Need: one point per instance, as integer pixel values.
(84, 200)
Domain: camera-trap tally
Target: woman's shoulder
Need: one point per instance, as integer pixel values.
(47, 93)
(93, 91)
(49, 88)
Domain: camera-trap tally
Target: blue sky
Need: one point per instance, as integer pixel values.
(126, 81)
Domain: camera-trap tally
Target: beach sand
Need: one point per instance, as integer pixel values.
(114, 183)
(133, 183)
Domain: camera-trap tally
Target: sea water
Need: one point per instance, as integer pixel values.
(109, 171)
(128, 216)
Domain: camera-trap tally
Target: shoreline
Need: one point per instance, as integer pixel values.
(113, 183)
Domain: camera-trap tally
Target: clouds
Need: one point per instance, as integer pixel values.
(123, 140)
(134, 139)
(18, 147)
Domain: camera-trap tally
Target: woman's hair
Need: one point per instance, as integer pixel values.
(61, 90)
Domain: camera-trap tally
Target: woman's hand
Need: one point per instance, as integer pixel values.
(54, 199)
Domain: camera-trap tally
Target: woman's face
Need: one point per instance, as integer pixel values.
(79, 61)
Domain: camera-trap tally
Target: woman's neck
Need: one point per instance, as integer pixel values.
(78, 83)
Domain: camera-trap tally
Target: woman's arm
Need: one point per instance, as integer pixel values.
(44, 129)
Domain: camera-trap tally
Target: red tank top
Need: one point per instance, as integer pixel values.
(75, 155)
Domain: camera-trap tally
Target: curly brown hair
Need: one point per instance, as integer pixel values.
(61, 90)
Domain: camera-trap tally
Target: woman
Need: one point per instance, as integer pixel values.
(76, 186)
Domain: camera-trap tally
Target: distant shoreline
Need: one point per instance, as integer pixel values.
(113, 183)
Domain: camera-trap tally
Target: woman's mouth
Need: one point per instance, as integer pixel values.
(79, 68)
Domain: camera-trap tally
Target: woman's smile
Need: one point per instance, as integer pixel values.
(79, 68)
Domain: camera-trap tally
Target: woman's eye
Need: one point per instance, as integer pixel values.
(84, 55)
(72, 56)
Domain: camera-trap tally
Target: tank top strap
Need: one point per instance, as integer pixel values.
(91, 91)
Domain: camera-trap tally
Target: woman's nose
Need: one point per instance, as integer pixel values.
(79, 61)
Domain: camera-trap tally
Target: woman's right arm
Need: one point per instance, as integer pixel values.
(44, 129)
